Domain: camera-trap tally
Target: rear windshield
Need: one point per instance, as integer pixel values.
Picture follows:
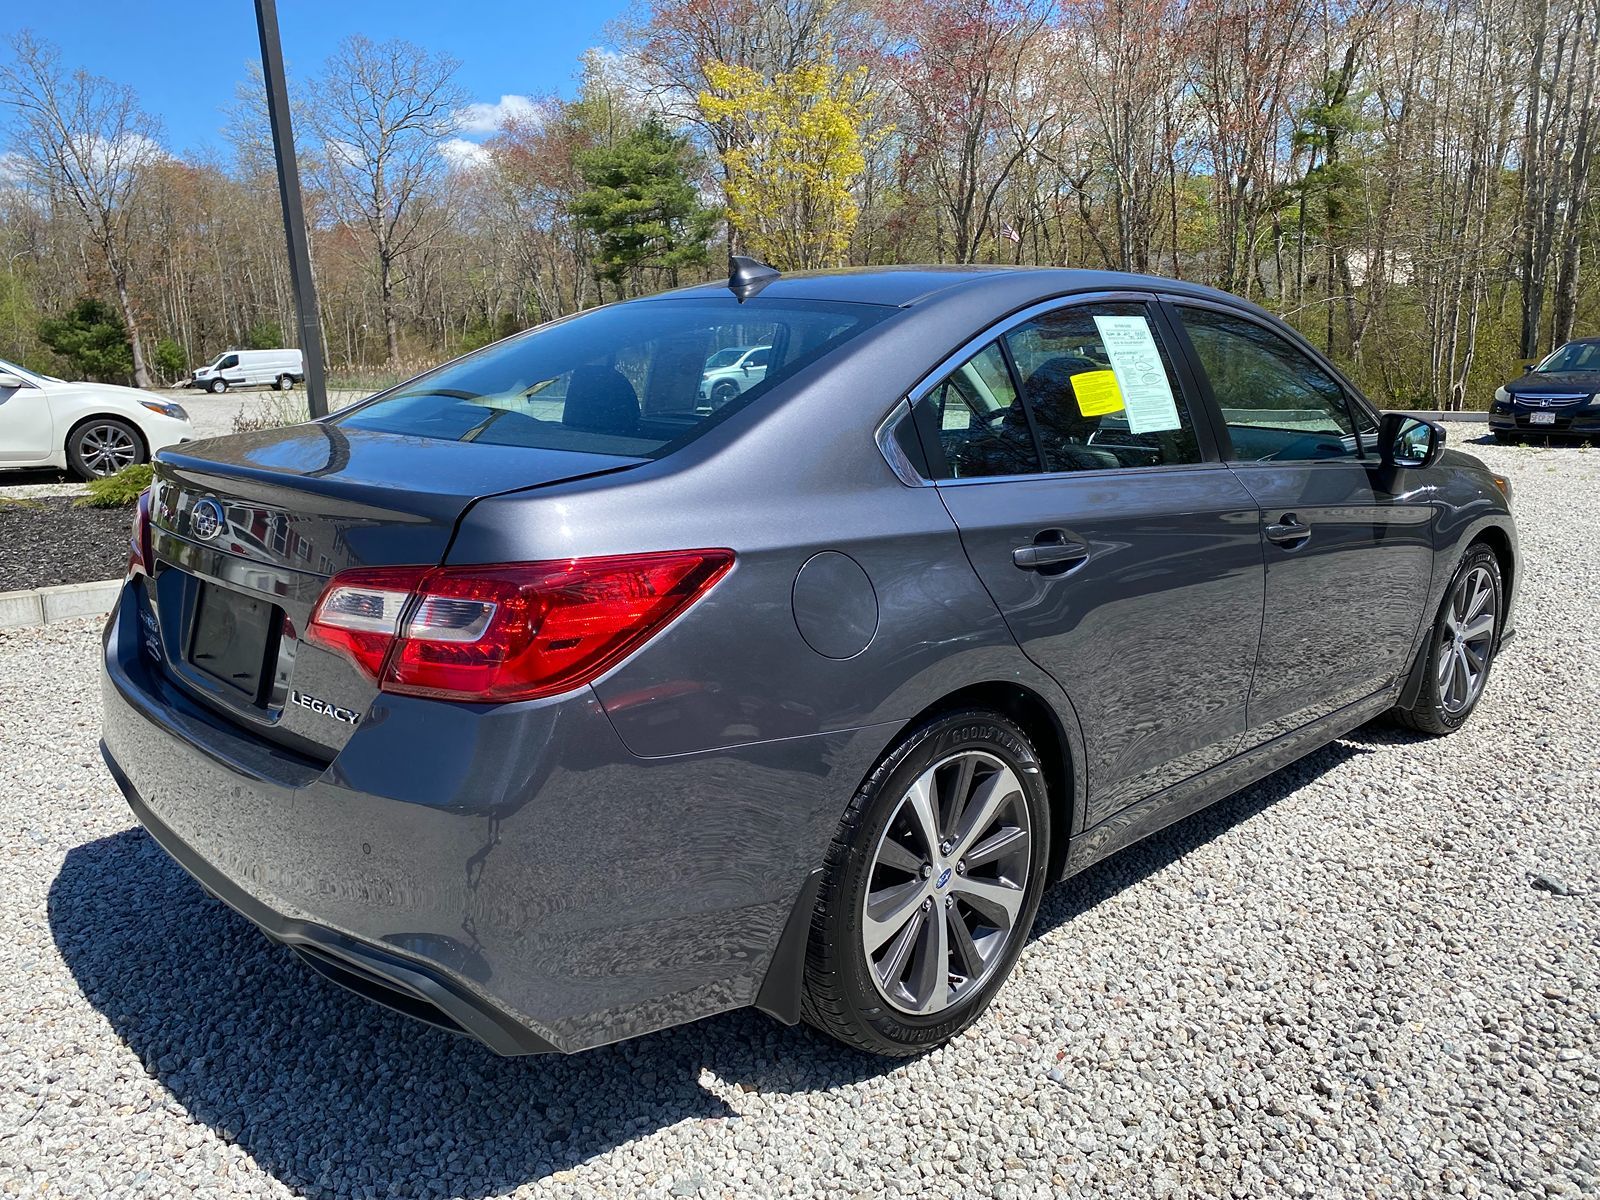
(639, 380)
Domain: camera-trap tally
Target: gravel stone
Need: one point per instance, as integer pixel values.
(1338, 982)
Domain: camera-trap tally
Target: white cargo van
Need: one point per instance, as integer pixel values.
(281, 369)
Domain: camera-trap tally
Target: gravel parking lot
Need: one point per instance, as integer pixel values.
(1342, 981)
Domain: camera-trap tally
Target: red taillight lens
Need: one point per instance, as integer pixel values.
(508, 632)
(139, 558)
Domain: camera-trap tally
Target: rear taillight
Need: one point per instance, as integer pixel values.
(139, 538)
(507, 632)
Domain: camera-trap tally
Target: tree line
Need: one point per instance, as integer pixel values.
(1409, 182)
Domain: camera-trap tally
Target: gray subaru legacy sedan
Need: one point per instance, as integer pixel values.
(543, 701)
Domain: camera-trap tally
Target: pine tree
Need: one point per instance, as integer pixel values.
(642, 207)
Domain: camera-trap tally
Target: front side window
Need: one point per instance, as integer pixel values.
(1278, 404)
(228, 360)
(635, 379)
(1102, 389)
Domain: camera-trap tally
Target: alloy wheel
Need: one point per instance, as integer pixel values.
(1468, 641)
(946, 883)
(106, 449)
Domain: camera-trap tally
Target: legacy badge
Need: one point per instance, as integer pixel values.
(348, 715)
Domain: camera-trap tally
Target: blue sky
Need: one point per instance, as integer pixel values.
(185, 57)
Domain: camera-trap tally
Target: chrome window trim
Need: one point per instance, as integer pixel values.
(1005, 324)
(904, 469)
(884, 434)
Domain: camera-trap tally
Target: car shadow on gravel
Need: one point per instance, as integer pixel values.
(336, 1096)
(1130, 866)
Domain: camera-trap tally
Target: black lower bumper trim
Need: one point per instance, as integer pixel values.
(405, 985)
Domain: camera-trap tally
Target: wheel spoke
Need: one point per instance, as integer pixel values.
(996, 845)
(967, 952)
(1482, 593)
(1447, 662)
(1478, 627)
(981, 810)
(889, 910)
(893, 854)
(953, 802)
(893, 966)
(929, 982)
(925, 809)
(996, 901)
(1458, 682)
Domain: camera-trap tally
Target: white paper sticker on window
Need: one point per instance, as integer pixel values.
(1142, 376)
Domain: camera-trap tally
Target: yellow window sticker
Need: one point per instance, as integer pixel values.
(1097, 393)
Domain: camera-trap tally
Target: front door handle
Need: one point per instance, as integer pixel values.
(1290, 532)
(1050, 551)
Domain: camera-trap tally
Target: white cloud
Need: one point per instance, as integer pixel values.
(486, 117)
(13, 171)
(463, 155)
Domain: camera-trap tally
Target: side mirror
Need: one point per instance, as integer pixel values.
(1409, 441)
(8, 381)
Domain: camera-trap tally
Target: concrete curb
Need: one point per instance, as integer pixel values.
(1463, 417)
(42, 606)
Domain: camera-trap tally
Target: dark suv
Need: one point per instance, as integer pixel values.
(536, 700)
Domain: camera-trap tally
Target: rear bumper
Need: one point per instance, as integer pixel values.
(511, 871)
(415, 988)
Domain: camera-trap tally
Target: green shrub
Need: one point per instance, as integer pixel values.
(92, 340)
(264, 335)
(120, 490)
(170, 359)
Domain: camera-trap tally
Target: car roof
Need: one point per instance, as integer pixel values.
(907, 286)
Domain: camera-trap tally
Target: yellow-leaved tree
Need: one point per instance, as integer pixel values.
(796, 149)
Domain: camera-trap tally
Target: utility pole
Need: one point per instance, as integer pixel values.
(294, 217)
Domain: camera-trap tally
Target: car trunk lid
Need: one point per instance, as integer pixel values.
(247, 530)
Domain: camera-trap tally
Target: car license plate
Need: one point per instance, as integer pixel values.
(1542, 418)
(230, 637)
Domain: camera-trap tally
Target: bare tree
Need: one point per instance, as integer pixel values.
(380, 111)
(84, 140)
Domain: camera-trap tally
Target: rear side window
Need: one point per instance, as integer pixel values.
(1102, 389)
(1081, 388)
(980, 425)
(636, 379)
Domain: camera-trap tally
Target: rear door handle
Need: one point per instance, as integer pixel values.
(1290, 532)
(1043, 555)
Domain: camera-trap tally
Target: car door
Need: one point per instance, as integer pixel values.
(230, 370)
(1122, 553)
(1348, 564)
(27, 427)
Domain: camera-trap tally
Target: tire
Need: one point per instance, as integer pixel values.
(1450, 692)
(217, 386)
(283, 383)
(722, 393)
(103, 446)
(1504, 438)
(868, 998)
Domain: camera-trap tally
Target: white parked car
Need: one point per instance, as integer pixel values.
(731, 371)
(95, 429)
(281, 369)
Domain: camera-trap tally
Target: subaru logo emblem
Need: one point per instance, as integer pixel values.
(206, 519)
(944, 878)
